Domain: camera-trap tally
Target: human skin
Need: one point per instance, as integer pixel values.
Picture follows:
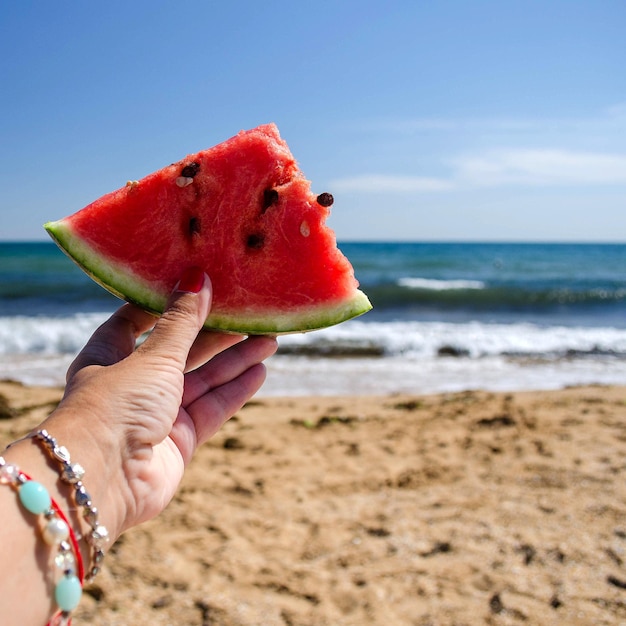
(133, 418)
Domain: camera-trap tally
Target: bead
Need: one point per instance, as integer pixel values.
(65, 561)
(99, 536)
(46, 437)
(34, 497)
(61, 453)
(55, 531)
(9, 474)
(82, 497)
(73, 473)
(67, 593)
(91, 515)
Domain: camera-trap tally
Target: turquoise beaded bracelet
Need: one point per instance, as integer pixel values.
(55, 531)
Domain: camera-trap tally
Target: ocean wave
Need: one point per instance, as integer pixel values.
(479, 296)
(439, 285)
(474, 340)
(365, 357)
(44, 335)
(47, 335)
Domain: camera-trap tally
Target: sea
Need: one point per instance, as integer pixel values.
(447, 317)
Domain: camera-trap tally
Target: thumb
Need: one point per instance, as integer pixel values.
(184, 315)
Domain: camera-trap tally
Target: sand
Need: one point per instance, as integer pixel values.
(469, 508)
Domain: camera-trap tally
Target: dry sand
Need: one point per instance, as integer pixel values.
(470, 508)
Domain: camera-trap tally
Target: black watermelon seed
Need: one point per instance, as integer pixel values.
(190, 170)
(255, 241)
(325, 199)
(270, 197)
(194, 226)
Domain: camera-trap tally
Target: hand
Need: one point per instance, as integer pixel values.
(134, 417)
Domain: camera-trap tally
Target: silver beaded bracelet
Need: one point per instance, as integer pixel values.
(73, 474)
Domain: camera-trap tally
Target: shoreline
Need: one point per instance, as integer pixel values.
(471, 507)
(301, 376)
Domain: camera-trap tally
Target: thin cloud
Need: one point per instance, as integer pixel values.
(381, 183)
(610, 119)
(498, 168)
(541, 167)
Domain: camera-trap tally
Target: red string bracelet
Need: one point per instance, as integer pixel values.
(62, 617)
(80, 570)
(55, 531)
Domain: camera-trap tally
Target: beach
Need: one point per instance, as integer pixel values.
(471, 507)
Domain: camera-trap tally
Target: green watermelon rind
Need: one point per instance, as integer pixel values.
(122, 283)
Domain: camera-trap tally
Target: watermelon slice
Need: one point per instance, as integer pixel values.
(242, 211)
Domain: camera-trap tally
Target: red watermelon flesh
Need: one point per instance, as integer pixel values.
(242, 211)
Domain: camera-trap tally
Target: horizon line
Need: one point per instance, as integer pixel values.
(453, 240)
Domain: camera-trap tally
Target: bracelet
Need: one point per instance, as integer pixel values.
(55, 531)
(72, 474)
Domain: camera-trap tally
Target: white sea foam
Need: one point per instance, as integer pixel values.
(37, 335)
(477, 339)
(439, 285)
(37, 350)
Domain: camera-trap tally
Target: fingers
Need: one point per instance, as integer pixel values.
(114, 340)
(227, 366)
(207, 345)
(209, 412)
(186, 311)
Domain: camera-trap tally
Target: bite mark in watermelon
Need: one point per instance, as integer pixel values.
(242, 211)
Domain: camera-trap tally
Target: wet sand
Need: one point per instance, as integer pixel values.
(468, 508)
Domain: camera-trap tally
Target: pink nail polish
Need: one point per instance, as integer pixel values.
(191, 280)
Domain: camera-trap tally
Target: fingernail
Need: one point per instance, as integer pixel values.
(191, 280)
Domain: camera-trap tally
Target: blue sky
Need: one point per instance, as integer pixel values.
(482, 120)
